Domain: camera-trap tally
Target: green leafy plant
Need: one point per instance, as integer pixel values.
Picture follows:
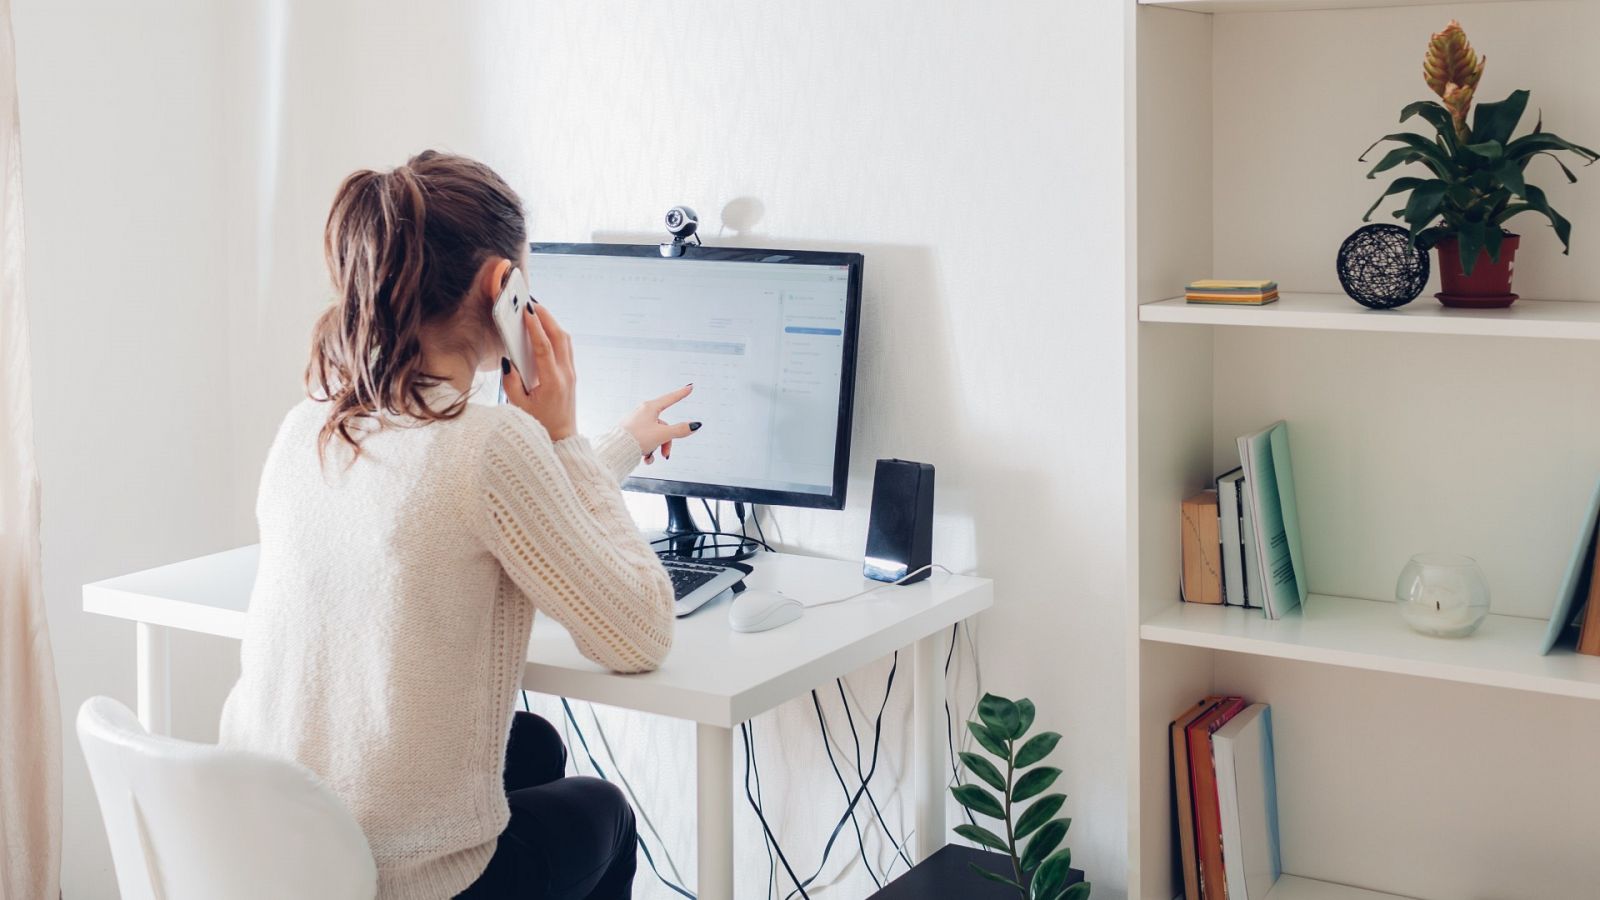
(1478, 173)
(1002, 724)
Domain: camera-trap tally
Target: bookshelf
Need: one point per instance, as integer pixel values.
(1553, 319)
(1415, 429)
(1254, 6)
(1361, 634)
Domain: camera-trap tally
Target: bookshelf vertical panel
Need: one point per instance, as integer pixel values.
(1171, 398)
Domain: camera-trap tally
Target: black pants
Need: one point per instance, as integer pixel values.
(569, 838)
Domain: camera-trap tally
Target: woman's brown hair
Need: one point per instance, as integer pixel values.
(403, 248)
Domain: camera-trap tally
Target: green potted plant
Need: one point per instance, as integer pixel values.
(1040, 869)
(1475, 178)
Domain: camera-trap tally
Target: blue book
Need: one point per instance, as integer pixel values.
(1575, 586)
(1247, 797)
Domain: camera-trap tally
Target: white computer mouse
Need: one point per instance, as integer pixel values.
(756, 610)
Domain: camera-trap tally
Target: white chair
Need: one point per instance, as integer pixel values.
(199, 822)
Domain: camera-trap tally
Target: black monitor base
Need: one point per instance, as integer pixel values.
(686, 540)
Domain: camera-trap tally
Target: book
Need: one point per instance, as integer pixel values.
(1247, 801)
(1589, 629)
(1183, 795)
(1252, 565)
(1245, 293)
(1202, 564)
(1233, 299)
(1203, 785)
(1270, 498)
(1229, 286)
(1229, 487)
(1574, 586)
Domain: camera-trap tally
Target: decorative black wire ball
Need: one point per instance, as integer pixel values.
(1380, 268)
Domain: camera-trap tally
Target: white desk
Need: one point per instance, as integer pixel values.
(715, 677)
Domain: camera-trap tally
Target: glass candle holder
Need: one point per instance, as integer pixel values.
(1443, 594)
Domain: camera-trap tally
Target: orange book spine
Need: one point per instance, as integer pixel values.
(1589, 631)
(1207, 811)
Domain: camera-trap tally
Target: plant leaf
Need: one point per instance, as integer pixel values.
(1025, 710)
(980, 835)
(1571, 178)
(1435, 155)
(1510, 175)
(1537, 201)
(1529, 144)
(984, 769)
(1043, 843)
(1399, 184)
(1079, 891)
(1037, 748)
(978, 800)
(1034, 782)
(1001, 715)
(990, 743)
(994, 876)
(1437, 116)
(1038, 814)
(1496, 121)
(1424, 204)
(1051, 879)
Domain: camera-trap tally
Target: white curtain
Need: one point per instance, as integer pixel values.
(30, 717)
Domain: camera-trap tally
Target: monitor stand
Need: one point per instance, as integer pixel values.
(687, 540)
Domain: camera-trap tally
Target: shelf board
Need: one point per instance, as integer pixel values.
(1571, 320)
(1369, 634)
(1293, 887)
(1249, 6)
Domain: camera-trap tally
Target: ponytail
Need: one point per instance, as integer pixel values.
(402, 249)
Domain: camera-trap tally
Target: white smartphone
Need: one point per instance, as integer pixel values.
(514, 302)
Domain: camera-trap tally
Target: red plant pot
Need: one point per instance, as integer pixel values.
(1489, 285)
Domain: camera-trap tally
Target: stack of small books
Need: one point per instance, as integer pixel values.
(1232, 293)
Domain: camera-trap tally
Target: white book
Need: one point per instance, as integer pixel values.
(1252, 566)
(1229, 501)
(1247, 797)
(1270, 496)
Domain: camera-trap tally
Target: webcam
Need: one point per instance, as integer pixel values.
(681, 223)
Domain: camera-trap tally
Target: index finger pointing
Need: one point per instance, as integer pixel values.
(665, 400)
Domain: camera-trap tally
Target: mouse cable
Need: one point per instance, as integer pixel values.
(860, 841)
(755, 513)
(627, 786)
(949, 725)
(772, 862)
(877, 735)
(749, 762)
(855, 739)
(871, 590)
(577, 729)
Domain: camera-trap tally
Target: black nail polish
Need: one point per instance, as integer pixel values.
(694, 426)
(505, 366)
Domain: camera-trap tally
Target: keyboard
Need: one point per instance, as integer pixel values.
(695, 583)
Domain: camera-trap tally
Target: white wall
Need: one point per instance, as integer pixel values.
(974, 154)
(122, 188)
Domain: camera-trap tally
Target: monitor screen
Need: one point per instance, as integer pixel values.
(767, 337)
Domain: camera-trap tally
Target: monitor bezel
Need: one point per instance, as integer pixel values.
(835, 498)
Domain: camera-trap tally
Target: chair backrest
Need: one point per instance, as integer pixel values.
(190, 821)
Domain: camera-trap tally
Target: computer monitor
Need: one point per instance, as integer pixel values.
(768, 338)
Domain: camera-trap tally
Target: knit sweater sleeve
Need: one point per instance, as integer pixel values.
(554, 518)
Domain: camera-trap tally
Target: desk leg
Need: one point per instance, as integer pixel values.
(154, 662)
(930, 755)
(714, 813)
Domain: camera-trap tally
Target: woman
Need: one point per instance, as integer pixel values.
(407, 538)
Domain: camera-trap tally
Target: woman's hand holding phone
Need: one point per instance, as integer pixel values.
(553, 400)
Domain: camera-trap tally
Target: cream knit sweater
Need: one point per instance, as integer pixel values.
(389, 622)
